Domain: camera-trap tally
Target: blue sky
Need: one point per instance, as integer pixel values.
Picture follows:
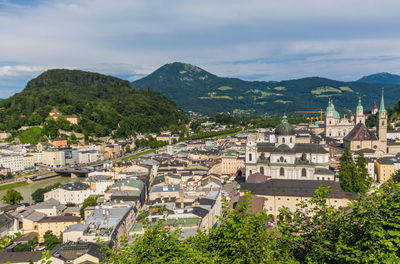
(250, 39)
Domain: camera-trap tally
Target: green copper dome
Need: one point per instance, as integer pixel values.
(359, 106)
(330, 107)
(336, 114)
(284, 129)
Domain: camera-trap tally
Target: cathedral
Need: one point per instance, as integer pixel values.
(361, 139)
(337, 127)
(286, 159)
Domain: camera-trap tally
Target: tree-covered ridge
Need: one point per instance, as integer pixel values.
(102, 103)
(195, 89)
(382, 78)
(366, 232)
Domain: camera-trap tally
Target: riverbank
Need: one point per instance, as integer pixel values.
(12, 185)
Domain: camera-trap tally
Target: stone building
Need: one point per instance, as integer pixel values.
(286, 159)
(361, 139)
(337, 127)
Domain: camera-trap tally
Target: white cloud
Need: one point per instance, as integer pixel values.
(19, 70)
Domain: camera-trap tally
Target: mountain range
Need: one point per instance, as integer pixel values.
(194, 89)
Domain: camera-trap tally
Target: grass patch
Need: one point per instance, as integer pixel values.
(261, 103)
(326, 95)
(224, 88)
(240, 97)
(217, 97)
(283, 101)
(325, 89)
(12, 185)
(346, 88)
(280, 88)
(140, 154)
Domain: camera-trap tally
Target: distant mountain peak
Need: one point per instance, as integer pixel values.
(382, 78)
(195, 89)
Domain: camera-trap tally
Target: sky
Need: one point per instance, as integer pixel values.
(249, 39)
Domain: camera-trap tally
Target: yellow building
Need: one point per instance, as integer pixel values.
(274, 194)
(231, 163)
(385, 168)
(57, 224)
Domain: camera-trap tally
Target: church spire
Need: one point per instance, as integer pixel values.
(382, 106)
(359, 106)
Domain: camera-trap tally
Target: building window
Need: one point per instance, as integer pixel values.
(283, 140)
(281, 159)
(262, 170)
(249, 156)
(282, 172)
(303, 172)
(291, 140)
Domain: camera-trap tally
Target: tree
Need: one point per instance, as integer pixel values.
(353, 176)
(12, 197)
(30, 246)
(396, 176)
(90, 201)
(50, 128)
(362, 182)
(38, 194)
(63, 123)
(128, 149)
(50, 240)
(371, 121)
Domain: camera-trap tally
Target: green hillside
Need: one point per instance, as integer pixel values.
(102, 103)
(382, 78)
(195, 89)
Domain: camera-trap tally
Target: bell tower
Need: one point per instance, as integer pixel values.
(381, 126)
(360, 117)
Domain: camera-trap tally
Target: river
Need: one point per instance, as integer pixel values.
(28, 189)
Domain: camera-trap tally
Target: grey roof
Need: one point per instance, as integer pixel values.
(70, 252)
(60, 218)
(360, 132)
(304, 188)
(298, 148)
(48, 204)
(75, 186)
(35, 216)
(20, 257)
(5, 219)
(206, 201)
(323, 171)
(200, 211)
(166, 188)
(76, 227)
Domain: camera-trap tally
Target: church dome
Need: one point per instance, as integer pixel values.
(336, 114)
(359, 106)
(284, 129)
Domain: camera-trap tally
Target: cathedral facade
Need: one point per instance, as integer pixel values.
(286, 159)
(361, 139)
(337, 127)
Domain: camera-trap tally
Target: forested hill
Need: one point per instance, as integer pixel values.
(102, 103)
(382, 78)
(193, 88)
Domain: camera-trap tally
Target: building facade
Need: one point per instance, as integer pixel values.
(286, 159)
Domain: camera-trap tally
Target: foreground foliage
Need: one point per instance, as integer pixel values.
(366, 232)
